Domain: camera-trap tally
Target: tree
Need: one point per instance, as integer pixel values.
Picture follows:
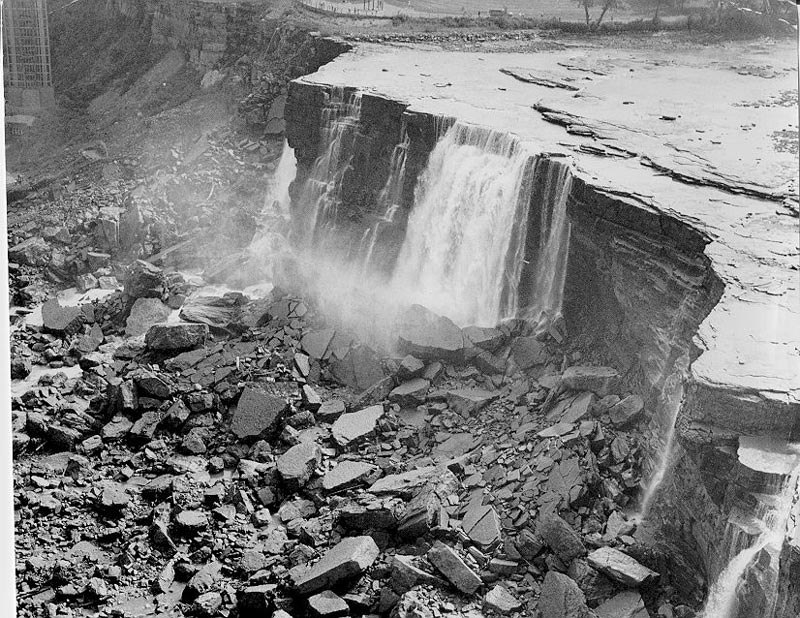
(605, 4)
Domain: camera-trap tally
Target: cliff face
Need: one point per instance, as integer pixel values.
(646, 286)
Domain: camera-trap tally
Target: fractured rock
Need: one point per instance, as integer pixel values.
(426, 335)
(145, 313)
(561, 598)
(345, 474)
(500, 600)
(450, 564)
(627, 604)
(257, 414)
(468, 401)
(349, 558)
(330, 410)
(406, 484)
(406, 575)
(482, 525)
(410, 367)
(360, 368)
(560, 537)
(328, 604)
(175, 336)
(600, 380)
(353, 427)
(528, 352)
(626, 411)
(620, 567)
(411, 393)
(60, 319)
(298, 463)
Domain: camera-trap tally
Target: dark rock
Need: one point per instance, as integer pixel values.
(406, 574)
(349, 558)
(316, 344)
(600, 380)
(561, 598)
(406, 484)
(413, 605)
(560, 537)
(626, 411)
(410, 367)
(145, 427)
(427, 335)
(450, 564)
(20, 367)
(170, 337)
(145, 281)
(359, 369)
(410, 394)
(488, 339)
(256, 601)
(595, 586)
(329, 411)
(528, 352)
(468, 401)
(32, 252)
(257, 414)
(627, 604)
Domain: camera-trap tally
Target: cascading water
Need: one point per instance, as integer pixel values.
(277, 196)
(320, 196)
(468, 207)
(552, 267)
(388, 200)
(772, 513)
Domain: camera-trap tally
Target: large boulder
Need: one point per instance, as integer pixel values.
(561, 598)
(360, 368)
(600, 380)
(298, 463)
(174, 337)
(424, 334)
(627, 604)
(346, 560)
(145, 281)
(257, 414)
(450, 564)
(145, 313)
(354, 427)
(33, 252)
(60, 319)
(620, 567)
(560, 537)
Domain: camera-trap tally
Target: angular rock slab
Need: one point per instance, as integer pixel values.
(146, 312)
(347, 473)
(60, 319)
(298, 463)
(410, 394)
(600, 380)
(620, 567)
(561, 598)
(482, 525)
(450, 564)
(559, 536)
(624, 605)
(468, 401)
(626, 411)
(426, 335)
(405, 484)
(175, 336)
(349, 558)
(257, 413)
(500, 600)
(328, 605)
(355, 426)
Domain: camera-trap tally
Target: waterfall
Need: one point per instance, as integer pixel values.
(388, 200)
(773, 513)
(551, 264)
(469, 205)
(321, 193)
(277, 196)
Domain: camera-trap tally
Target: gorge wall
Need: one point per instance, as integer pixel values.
(638, 285)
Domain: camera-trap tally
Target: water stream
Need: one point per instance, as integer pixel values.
(467, 210)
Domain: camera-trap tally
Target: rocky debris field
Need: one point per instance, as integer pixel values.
(221, 456)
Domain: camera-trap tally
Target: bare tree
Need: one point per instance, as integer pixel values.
(605, 4)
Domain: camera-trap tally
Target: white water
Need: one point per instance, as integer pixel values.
(388, 199)
(276, 199)
(774, 512)
(551, 267)
(466, 212)
(320, 196)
